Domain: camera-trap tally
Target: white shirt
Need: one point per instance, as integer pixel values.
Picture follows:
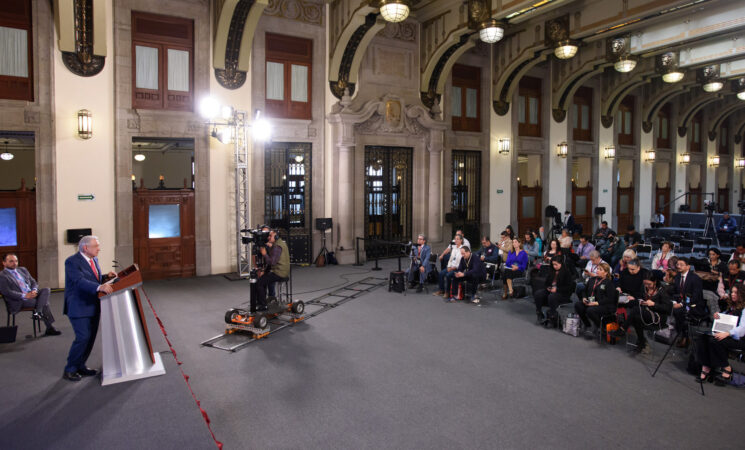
(455, 257)
(593, 268)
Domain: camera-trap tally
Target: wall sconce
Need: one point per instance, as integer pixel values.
(609, 152)
(650, 156)
(85, 124)
(685, 158)
(740, 163)
(562, 150)
(714, 161)
(504, 146)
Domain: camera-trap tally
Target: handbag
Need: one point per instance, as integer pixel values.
(571, 325)
(609, 328)
(8, 334)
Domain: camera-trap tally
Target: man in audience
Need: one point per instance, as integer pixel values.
(504, 244)
(632, 238)
(658, 220)
(419, 262)
(688, 300)
(21, 291)
(726, 224)
(602, 232)
(739, 254)
(451, 247)
(584, 249)
(569, 223)
(489, 252)
(472, 271)
(446, 275)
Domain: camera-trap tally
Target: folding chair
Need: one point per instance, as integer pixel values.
(35, 318)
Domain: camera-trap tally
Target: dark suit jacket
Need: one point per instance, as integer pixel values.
(12, 291)
(564, 285)
(693, 288)
(81, 287)
(473, 268)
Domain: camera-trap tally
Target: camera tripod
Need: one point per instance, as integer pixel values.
(324, 253)
(709, 226)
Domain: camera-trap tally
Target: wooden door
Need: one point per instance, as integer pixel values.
(723, 199)
(18, 226)
(625, 207)
(582, 207)
(529, 208)
(662, 197)
(164, 233)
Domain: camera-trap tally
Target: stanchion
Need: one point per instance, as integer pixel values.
(357, 251)
(376, 264)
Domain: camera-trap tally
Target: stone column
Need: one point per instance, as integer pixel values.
(434, 218)
(681, 171)
(606, 179)
(501, 182)
(346, 195)
(558, 180)
(646, 185)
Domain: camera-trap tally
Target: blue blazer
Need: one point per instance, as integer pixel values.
(426, 251)
(81, 287)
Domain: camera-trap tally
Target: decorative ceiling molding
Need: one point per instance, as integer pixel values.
(402, 31)
(441, 71)
(306, 11)
(344, 67)
(714, 124)
(82, 36)
(664, 95)
(236, 25)
(703, 99)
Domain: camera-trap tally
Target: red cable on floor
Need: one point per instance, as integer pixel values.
(186, 377)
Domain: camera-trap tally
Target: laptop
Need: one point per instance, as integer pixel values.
(724, 323)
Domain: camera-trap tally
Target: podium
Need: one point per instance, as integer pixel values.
(127, 350)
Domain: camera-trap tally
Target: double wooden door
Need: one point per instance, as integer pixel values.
(582, 207)
(662, 196)
(625, 207)
(529, 208)
(164, 233)
(694, 199)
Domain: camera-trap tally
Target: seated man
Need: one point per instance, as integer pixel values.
(276, 257)
(632, 238)
(447, 252)
(419, 262)
(489, 255)
(726, 224)
(658, 220)
(472, 271)
(688, 300)
(504, 244)
(446, 274)
(602, 232)
(21, 291)
(584, 249)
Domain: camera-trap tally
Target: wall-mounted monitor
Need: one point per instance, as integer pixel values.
(164, 221)
(8, 228)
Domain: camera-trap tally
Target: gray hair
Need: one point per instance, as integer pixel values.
(594, 254)
(85, 240)
(422, 236)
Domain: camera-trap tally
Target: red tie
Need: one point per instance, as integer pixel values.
(93, 267)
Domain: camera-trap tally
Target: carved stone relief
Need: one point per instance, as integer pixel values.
(401, 31)
(307, 11)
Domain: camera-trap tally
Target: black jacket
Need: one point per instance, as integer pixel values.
(693, 291)
(564, 283)
(605, 292)
(663, 304)
(632, 285)
(474, 267)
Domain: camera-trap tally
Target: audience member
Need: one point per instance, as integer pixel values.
(602, 232)
(600, 299)
(688, 300)
(715, 261)
(591, 270)
(628, 255)
(557, 290)
(632, 238)
(514, 267)
(446, 274)
(471, 270)
(539, 239)
(566, 240)
(631, 282)
(584, 249)
(452, 246)
(727, 224)
(489, 253)
(658, 220)
(554, 249)
(531, 246)
(542, 235)
(419, 262)
(504, 244)
(615, 249)
(652, 308)
(21, 290)
(739, 254)
(661, 260)
(569, 222)
(713, 350)
(727, 281)
(510, 231)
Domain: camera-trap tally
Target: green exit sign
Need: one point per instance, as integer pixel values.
(86, 197)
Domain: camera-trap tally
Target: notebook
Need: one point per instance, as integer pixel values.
(724, 323)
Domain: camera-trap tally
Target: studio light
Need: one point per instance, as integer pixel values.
(562, 150)
(139, 157)
(625, 64)
(491, 31)
(85, 124)
(685, 158)
(609, 152)
(504, 146)
(394, 10)
(566, 49)
(209, 108)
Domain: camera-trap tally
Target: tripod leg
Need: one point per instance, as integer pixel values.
(670, 347)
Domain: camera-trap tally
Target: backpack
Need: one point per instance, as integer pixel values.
(396, 282)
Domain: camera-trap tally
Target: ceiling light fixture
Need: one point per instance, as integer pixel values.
(566, 49)
(625, 64)
(667, 65)
(139, 157)
(6, 155)
(491, 31)
(394, 10)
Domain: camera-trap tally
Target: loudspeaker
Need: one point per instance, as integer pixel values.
(75, 234)
(323, 223)
(599, 210)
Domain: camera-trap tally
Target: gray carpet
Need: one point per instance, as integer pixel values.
(387, 371)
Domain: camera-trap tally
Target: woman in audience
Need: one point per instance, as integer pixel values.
(514, 267)
(554, 249)
(713, 351)
(661, 260)
(531, 247)
(669, 277)
(557, 290)
(710, 279)
(600, 299)
(652, 308)
(510, 231)
(631, 282)
(715, 261)
(538, 240)
(628, 255)
(566, 240)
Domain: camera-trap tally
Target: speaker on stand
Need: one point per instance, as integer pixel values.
(600, 211)
(323, 224)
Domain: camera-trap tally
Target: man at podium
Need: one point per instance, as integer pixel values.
(83, 282)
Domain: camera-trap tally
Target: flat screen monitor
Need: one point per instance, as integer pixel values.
(8, 229)
(164, 221)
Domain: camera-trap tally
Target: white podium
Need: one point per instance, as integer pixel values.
(127, 351)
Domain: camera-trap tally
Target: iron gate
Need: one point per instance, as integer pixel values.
(287, 186)
(466, 193)
(387, 198)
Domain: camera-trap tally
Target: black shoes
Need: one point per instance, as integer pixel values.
(71, 376)
(51, 331)
(261, 308)
(87, 372)
(419, 289)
